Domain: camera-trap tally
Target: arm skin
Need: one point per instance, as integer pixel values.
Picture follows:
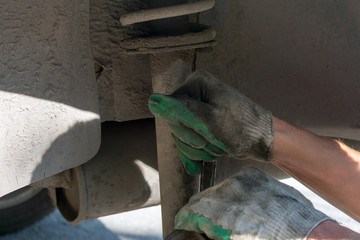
(330, 230)
(327, 166)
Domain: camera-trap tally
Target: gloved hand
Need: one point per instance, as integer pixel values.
(250, 205)
(209, 119)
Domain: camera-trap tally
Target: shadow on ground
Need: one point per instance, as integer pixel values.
(55, 227)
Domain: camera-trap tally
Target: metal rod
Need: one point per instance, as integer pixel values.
(166, 12)
(208, 174)
(185, 235)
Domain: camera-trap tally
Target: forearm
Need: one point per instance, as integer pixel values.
(328, 167)
(330, 230)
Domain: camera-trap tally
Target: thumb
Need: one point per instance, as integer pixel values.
(190, 221)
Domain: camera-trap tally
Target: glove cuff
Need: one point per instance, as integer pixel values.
(294, 224)
(259, 131)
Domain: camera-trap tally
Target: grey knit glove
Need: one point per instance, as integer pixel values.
(250, 205)
(210, 119)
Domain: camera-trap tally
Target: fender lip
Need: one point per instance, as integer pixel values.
(49, 104)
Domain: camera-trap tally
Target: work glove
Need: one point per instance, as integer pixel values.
(250, 205)
(209, 119)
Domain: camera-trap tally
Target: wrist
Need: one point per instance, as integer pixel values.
(331, 230)
(291, 219)
(259, 132)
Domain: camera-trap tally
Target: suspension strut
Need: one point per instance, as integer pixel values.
(172, 48)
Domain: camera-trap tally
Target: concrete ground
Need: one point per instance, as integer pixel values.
(142, 224)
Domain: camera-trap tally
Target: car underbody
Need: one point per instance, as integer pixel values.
(75, 79)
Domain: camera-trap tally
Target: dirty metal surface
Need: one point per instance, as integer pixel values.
(300, 59)
(124, 82)
(169, 71)
(49, 109)
(200, 36)
(123, 175)
(162, 12)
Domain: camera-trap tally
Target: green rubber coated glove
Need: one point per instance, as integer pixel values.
(209, 119)
(250, 205)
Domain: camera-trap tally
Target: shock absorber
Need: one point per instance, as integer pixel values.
(172, 52)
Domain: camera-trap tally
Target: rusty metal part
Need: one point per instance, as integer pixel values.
(166, 12)
(199, 36)
(121, 177)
